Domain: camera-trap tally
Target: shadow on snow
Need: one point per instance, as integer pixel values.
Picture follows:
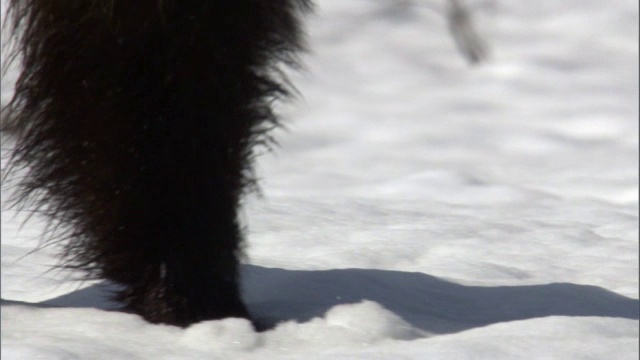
(424, 301)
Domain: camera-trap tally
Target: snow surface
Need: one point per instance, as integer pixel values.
(417, 208)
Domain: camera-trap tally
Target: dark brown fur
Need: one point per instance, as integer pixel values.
(136, 120)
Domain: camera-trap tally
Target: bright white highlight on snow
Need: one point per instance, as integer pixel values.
(417, 208)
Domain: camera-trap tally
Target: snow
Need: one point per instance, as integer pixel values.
(416, 207)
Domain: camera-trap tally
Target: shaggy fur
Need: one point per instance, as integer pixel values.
(135, 122)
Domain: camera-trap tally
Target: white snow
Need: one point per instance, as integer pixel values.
(417, 208)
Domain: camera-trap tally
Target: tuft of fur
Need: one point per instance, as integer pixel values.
(136, 122)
